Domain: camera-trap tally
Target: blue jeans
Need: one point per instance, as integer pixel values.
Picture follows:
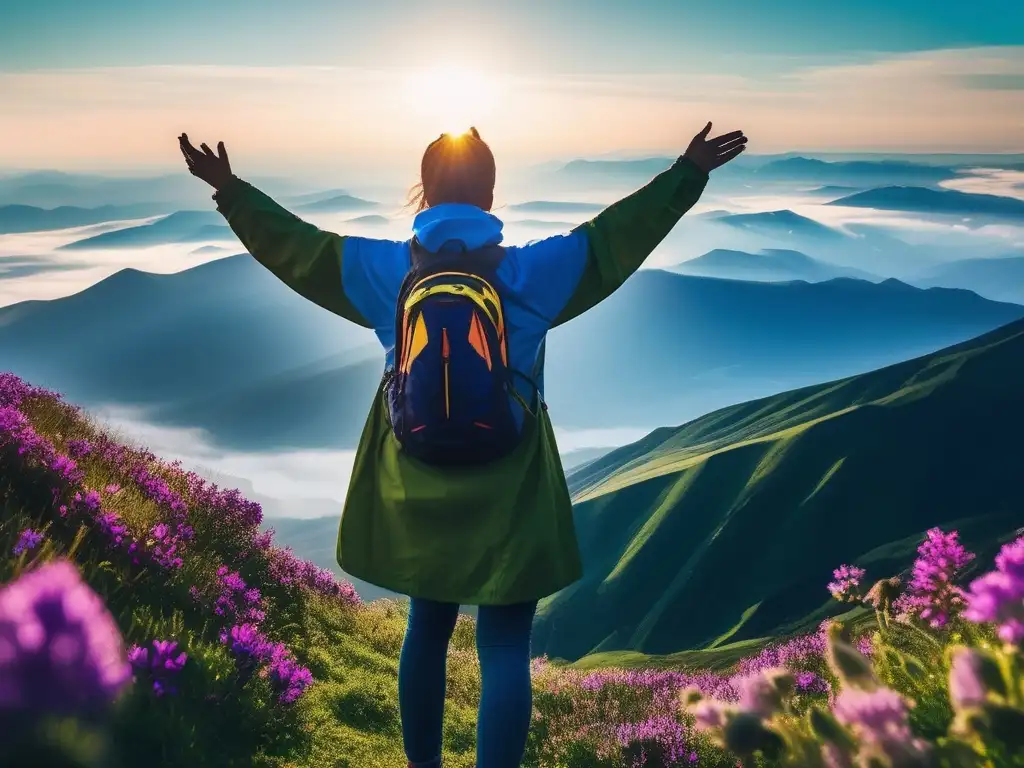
(506, 698)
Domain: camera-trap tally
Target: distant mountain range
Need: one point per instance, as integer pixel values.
(28, 218)
(336, 204)
(553, 226)
(227, 347)
(876, 248)
(143, 339)
(853, 173)
(781, 222)
(666, 348)
(176, 191)
(180, 227)
(1000, 279)
(727, 529)
(946, 201)
(370, 219)
(832, 190)
(771, 265)
(548, 207)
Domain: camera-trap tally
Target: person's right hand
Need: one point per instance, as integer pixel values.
(215, 170)
(710, 154)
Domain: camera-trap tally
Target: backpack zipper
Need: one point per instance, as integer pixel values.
(445, 353)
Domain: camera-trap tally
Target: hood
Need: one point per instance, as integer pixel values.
(458, 222)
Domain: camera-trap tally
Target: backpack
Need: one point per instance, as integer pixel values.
(450, 391)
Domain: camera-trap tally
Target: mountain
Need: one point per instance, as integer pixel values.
(783, 222)
(772, 265)
(547, 206)
(725, 529)
(226, 347)
(370, 219)
(853, 172)
(139, 339)
(1000, 279)
(176, 191)
(336, 204)
(554, 226)
(833, 190)
(28, 218)
(180, 227)
(600, 170)
(666, 348)
(922, 200)
(52, 189)
(312, 197)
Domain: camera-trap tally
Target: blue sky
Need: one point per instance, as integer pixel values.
(541, 35)
(94, 84)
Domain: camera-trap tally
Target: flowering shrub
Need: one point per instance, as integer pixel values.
(155, 539)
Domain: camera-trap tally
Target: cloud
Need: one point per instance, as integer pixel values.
(27, 266)
(124, 117)
(285, 475)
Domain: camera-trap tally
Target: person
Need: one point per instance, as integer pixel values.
(497, 534)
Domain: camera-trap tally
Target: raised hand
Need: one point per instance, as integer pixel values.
(708, 154)
(214, 169)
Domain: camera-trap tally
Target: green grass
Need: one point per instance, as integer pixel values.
(727, 528)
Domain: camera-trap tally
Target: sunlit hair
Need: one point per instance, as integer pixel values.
(456, 168)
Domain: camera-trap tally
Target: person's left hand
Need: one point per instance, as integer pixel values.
(214, 169)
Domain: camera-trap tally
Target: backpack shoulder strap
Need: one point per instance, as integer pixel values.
(484, 260)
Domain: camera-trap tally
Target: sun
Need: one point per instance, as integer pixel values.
(450, 99)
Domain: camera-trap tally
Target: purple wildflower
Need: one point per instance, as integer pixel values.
(236, 599)
(79, 448)
(759, 695)
(810, 682)
(67, 469)
(60, 649)
(845, 587)
(88, 502)
(880, 718)
(660, 734)
(709, 714)
(998, 596)
(931, 593)
(785, 654)
(28, 540)
(159, 665)
(966, 687)
(288, 678)
(249, 646)
(878, 715)
(112, 489)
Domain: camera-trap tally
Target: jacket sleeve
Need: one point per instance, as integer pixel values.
(621, 237)
(307, 259)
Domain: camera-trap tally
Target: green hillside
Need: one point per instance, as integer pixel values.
(177, 559)
(723, 530)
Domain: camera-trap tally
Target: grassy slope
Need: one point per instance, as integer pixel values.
(724, 530)
(349, 718)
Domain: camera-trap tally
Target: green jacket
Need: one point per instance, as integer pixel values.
(497, 534)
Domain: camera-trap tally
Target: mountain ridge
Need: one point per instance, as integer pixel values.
(835, 470)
